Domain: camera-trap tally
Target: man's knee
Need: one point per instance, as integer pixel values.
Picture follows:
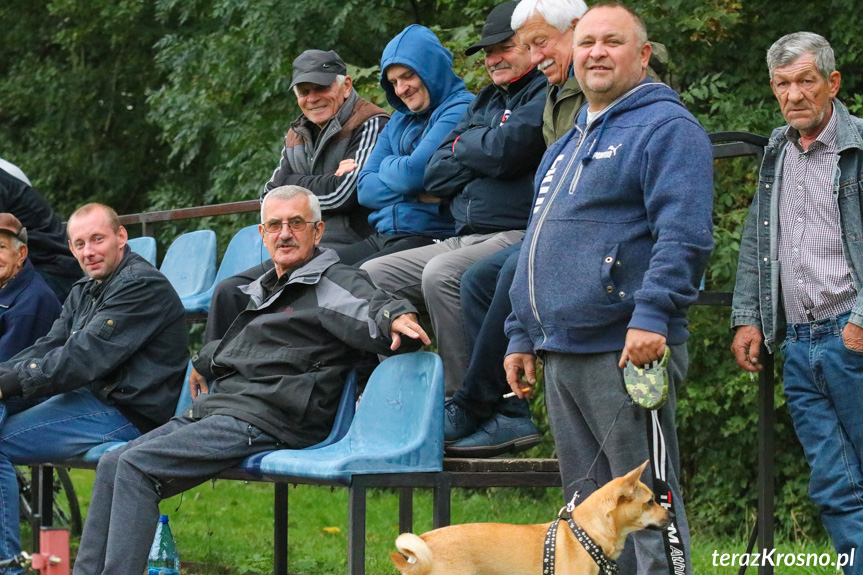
(379, 270)
(106, 470)
(442, 273)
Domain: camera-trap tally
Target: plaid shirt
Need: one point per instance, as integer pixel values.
(815, 278)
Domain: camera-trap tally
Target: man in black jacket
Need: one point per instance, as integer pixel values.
(111, 367)
(484, 171)
(48, 249)
(273, 381)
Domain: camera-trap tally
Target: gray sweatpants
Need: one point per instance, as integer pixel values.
(431, 276)
(132, 480)
(584, 394)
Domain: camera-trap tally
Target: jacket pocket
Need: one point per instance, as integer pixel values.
(106, 329)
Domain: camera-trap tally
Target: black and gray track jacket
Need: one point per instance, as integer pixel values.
(311, 157)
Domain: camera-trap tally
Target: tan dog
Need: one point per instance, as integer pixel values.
(621, 506)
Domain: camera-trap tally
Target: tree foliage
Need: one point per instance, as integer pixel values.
(173, 103)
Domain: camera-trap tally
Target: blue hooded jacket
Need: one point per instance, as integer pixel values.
(621, 229)
(392, 178)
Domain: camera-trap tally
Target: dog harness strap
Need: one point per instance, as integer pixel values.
(548, 548)
(596, 553)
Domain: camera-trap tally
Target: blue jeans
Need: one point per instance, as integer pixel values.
(485, 306)
(824, 390)
(51, 430)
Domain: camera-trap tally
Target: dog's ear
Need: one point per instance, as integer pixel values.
(629, 485)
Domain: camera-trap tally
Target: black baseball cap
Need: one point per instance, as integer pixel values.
(497, 27)
(318, 67)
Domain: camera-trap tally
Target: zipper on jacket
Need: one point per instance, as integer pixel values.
(532, 251)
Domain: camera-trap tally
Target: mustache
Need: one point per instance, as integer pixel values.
(501, 66)
(287, 244)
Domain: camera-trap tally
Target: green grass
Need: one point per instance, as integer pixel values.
(226, 527)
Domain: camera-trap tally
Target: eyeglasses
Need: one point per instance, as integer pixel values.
(296, 225)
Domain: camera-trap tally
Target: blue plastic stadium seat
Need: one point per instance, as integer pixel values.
(190, 264)
(145, 247)
(245, 250)
(341, 425)
(398, 427)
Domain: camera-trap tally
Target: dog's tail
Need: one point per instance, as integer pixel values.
(415, 557)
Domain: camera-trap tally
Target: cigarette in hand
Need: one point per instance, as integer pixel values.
(512, 393)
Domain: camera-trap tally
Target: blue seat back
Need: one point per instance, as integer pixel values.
(344, 414)
(190, 263)
(398, 428)
(401, 412)
(245, 250)
(145, 247)
(185, 400)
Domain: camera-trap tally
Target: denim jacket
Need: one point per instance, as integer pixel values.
(757, 296)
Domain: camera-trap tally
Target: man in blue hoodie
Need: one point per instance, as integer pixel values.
(429, 100)
(484, 172)
(620, 235)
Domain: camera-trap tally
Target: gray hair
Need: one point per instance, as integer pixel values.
(791, 47)
(290, 192)
(556, 13)
(340, 80)
(16, 243)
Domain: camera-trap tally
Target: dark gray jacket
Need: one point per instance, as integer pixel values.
(124, 338)
(282, 364)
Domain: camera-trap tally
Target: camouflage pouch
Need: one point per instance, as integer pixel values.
(648, 386)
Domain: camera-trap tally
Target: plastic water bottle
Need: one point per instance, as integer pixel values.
(163, 558)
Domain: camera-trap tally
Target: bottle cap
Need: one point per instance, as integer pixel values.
(163, 518)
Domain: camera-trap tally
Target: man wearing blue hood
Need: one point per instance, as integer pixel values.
(429, 99)
(619, 237)
(484, 171)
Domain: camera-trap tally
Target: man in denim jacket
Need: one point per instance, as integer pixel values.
(800, 258)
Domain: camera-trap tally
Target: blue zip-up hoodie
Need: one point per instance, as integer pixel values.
(621, 229)
(392, 178)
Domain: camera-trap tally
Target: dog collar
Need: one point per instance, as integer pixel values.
(596, 553)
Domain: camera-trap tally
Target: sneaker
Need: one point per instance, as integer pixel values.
(458, 422)
(497, 435)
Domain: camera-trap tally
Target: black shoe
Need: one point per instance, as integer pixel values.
(497, 435)
(458, 422)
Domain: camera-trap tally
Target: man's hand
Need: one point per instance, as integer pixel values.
(642, 347)
(515, 364)
(427, 198)
(408, 325)
(746, 347)
(197, 384)
(347, 166)
(852, 335)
